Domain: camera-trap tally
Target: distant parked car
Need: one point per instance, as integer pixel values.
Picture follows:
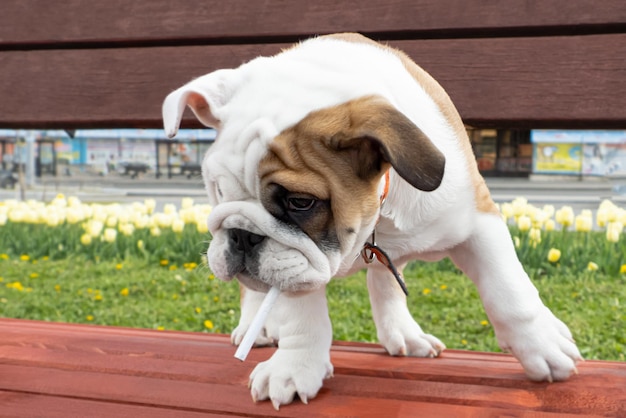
(191, 170)
(132, 168)
(7, 179)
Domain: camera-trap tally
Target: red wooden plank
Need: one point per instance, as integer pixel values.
(135, 390)
(47, 348)
(90, 363)
(157, 365)
(30, 405)
(19, 336)
(156, 21)
(512, 82)
(541, 397)
(216, 399)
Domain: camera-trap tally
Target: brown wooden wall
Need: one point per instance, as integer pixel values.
(75, 63)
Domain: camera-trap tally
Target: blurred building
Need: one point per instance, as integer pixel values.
(499, 153)
(521, 153)
(586, 153)
(103, 150)
(502, 153)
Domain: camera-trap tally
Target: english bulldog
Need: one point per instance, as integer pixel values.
(332, 146)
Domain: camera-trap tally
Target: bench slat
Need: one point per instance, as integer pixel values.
(575, 81)
(31, 405)
(55, 23)
(141, 370)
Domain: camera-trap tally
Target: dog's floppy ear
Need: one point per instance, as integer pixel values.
(377, 134)
(204, 95)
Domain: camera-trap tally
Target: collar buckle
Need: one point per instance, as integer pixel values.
(371, 250)
(367, 253)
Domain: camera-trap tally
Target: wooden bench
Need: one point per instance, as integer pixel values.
(62, 370)
(74, 64)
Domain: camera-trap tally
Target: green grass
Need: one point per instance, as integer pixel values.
(139, 292)
(140, 269)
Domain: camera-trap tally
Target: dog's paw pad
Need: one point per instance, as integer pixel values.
(552, 368)
(545, 348)
(413, 345)
(286, 375)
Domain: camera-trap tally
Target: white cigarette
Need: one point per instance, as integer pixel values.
(257, 324)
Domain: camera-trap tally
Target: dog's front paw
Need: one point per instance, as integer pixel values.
(289, 372)
(544, 347)
(408, 339)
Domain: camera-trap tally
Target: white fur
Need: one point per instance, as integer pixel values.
(302, 360)
(250, 106)
(290, 260)
(523, 324)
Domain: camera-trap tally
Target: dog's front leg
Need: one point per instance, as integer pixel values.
(302, 360)
(397, 330)
(523, 324)
(251, 301)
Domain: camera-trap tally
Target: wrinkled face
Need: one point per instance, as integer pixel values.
(292, 209)
(304, 213)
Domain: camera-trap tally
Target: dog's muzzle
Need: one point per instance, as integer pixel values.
(250, 244)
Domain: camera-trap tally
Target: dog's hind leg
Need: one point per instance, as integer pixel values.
(397, 330)
(523, 324)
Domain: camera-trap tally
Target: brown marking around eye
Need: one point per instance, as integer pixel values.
(299, 161)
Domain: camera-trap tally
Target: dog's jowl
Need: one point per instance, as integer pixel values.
(319, 148)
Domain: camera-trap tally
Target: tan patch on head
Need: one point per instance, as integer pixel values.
(484, 202)
(338, 155)
(299, 163)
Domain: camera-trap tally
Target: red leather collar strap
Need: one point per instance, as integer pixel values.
(385, 192)
(371, 250)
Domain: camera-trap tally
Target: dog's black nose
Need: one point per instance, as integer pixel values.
(243, 240)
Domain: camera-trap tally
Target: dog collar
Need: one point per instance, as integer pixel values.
(385, 191)
(371, 250)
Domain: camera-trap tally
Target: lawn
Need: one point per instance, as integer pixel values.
(69, 261)
(137, 293)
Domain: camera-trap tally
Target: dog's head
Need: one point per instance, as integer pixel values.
(294, 175)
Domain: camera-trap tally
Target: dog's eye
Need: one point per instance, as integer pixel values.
(300, 203)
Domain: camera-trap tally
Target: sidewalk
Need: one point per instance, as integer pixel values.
(563, 190)
(558, 190)
(112, 185)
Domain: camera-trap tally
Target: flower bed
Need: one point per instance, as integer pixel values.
(550, 240)
(547, 239)
(66, 226)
